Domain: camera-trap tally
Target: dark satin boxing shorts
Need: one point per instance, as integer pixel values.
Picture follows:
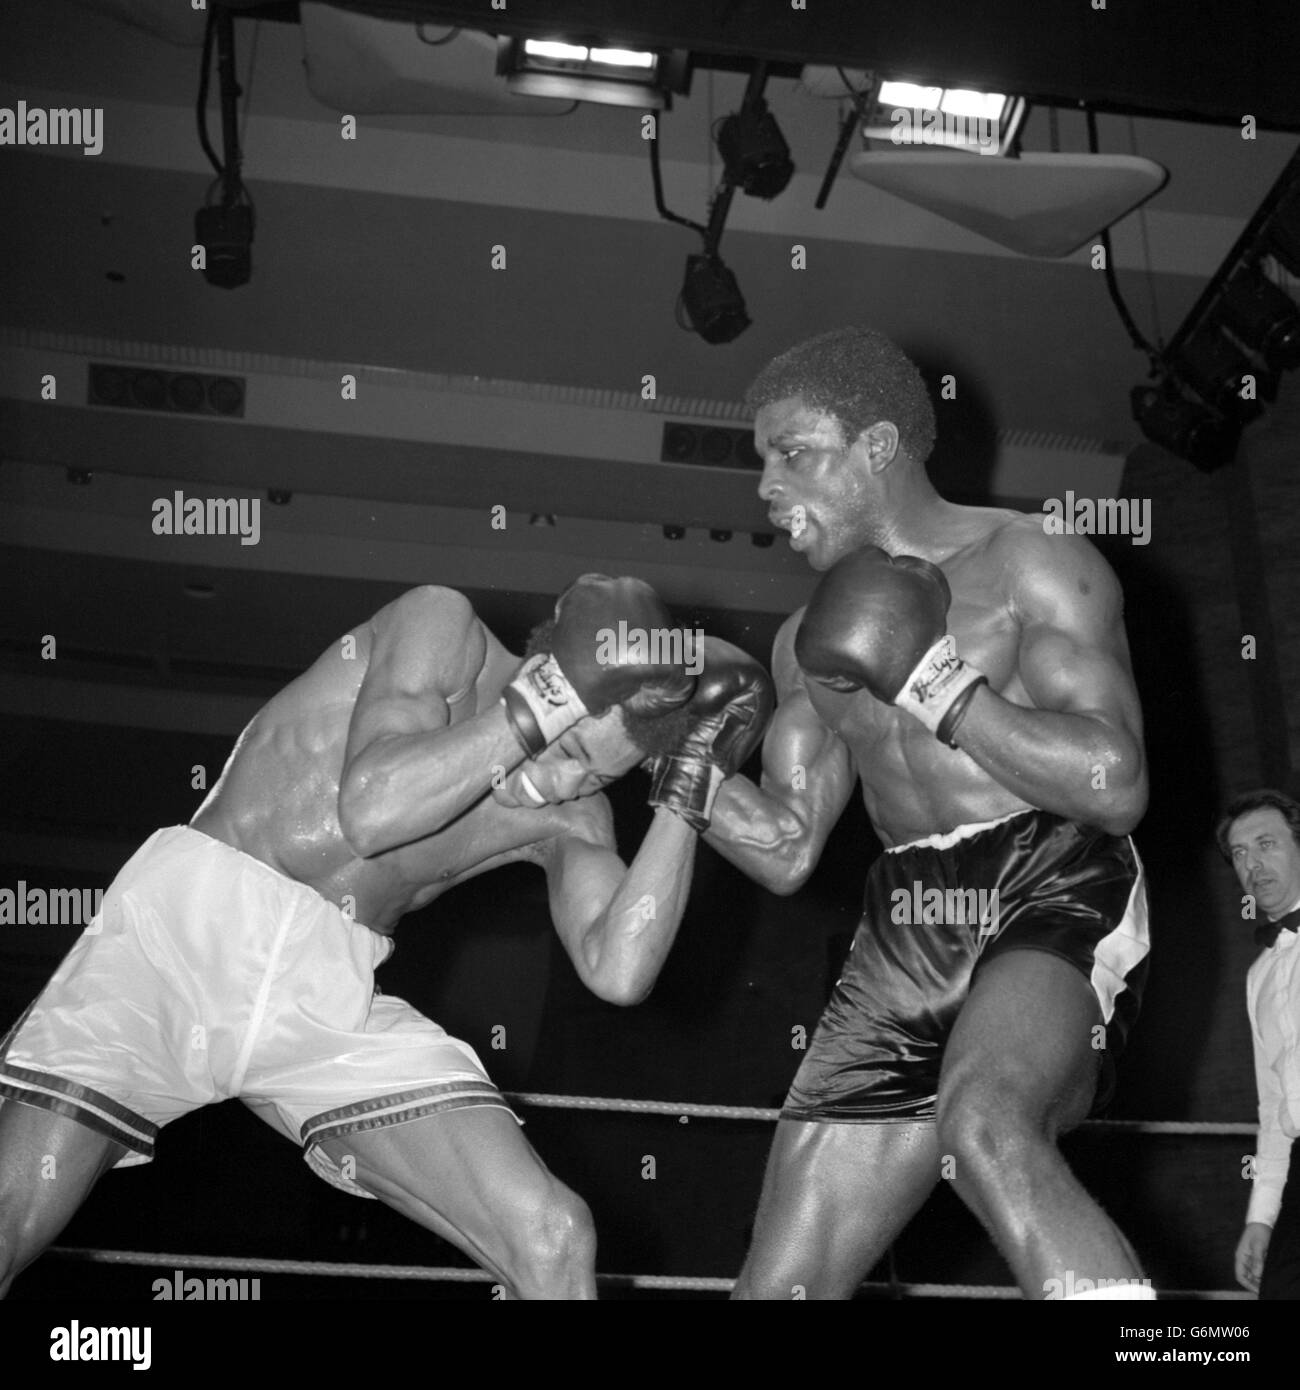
(1040, 883)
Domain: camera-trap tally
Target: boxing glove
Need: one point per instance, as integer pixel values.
(878, 622)
(605, 632)
(733, 702)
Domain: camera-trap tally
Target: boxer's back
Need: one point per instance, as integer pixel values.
(277, 797)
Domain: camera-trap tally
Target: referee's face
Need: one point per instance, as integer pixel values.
(1266, 859)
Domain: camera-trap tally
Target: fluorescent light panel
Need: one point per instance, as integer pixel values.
(957, 105)
(555, 50)
(909, 94)
(603, 73)
(624, 58)
(960, 101)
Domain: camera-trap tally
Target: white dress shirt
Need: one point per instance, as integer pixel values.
(1273, 1002)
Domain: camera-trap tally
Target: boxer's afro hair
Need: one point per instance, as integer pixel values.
(860, 377)
(653, 736)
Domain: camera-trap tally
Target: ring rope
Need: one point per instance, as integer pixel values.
(686, 1283)
(685, 1110)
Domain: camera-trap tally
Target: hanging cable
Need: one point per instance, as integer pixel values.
(657, 179)
(202, 112)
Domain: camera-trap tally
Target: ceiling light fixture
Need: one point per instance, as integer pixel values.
(606, 74)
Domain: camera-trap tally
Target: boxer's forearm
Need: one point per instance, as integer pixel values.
(762, 836)
(1073, 765)
(407, 786)
(624, 950)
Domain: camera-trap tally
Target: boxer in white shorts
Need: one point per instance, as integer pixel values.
(230, 957)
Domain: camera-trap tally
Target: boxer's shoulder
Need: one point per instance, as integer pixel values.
(993, 536)
(1029, 537)
(1046, 571)
(429, 637)
(430, 609)
(786, 675)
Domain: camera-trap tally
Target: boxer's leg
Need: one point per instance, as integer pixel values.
(48, 1164)
(1019, 1070)
(834, 1198)
(470, 1176)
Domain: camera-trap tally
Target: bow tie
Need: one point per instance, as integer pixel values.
(1267, 932)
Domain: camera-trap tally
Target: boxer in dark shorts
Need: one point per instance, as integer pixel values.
(1029, 882)
(967, 668)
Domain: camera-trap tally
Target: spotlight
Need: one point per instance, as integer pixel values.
(1184, 427)
(674, 533)
(226, 234)
(1264, 317)
(719, 535)
(542, 519)
(279, 496)
(762, 539)
(1214, 369)
(712, 300)
(754, 151)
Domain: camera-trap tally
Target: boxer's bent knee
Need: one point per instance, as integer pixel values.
(556, 1242)
(991, 1132)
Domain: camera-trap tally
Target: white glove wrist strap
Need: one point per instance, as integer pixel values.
(936, 681)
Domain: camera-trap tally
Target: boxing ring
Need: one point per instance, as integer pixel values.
(683, 1112)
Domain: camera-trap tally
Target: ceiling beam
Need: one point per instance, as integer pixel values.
(197, 450)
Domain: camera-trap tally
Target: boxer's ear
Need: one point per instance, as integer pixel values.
(878, 444)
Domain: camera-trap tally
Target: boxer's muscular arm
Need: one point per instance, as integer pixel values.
(406, 774)
(618, 921)
(776, 832)
(1079, 752)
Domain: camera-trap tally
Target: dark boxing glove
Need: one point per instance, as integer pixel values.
(878, 622)
(730, 709)
(606, 631)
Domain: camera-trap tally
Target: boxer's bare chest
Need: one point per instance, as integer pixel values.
(912, 784)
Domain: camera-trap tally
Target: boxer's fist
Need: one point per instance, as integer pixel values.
(878, 623)
(605, 632)
(730, 710)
